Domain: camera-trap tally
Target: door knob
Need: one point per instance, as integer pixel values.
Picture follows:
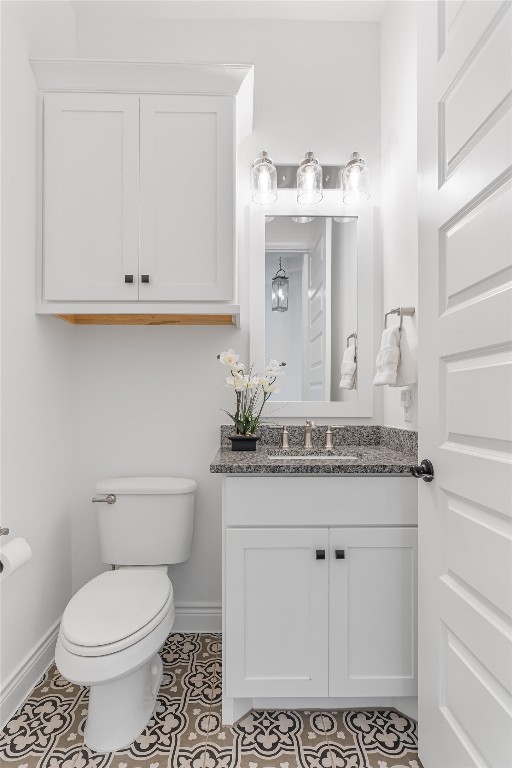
(339, 554)
(320, 554)
(128, 278)
(144, 278)
(425, 471)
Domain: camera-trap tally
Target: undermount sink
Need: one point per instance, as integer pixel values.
(310, 456)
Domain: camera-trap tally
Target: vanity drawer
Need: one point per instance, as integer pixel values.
(330, 501)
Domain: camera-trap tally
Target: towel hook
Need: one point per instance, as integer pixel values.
(402, 311)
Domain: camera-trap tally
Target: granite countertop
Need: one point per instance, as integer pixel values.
(376, 452)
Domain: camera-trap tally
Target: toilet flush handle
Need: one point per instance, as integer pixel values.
(110, 499)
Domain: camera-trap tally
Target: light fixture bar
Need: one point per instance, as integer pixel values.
(287, 176)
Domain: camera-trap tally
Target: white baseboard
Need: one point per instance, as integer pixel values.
(19, 684)
(198, 617)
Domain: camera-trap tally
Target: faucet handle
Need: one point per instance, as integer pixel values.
(328, 438)
(310, 423)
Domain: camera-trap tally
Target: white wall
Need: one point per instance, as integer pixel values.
(344, 304)
(37, 419)
(399, 209)
(150, 399)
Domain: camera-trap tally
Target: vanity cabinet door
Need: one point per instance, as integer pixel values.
(187, 197)
(373, 612)
(91, 197)
(276, 612)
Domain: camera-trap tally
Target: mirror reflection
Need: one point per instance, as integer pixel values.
(311, 305)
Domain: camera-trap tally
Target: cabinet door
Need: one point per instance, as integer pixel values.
(276, 612)
(187, 197)
(373, 606)
(91, 178)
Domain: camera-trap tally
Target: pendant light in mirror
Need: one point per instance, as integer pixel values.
(263, 180)
(356, 184)
(309, 180)
(280, 290)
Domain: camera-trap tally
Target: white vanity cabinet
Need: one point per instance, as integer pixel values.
(319, 591)
(138, 187)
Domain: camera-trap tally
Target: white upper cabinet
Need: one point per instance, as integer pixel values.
(139, 185)
(186, 198)
(91, 196)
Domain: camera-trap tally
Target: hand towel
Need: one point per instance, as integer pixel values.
(348, 368)
(407, 372)
(388, 357)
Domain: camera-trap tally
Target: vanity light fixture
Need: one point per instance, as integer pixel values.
(302, 219)
(280, 290)
(309, 180)
(356, 186)
(263, 180)
(268, 219)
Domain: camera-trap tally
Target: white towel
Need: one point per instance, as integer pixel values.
(388, 357)
(348, 368)
(407, 372)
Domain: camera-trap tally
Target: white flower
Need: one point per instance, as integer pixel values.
(229, 358)
(241, 382)
(270, 388)
(232, 381)
(253, 382)
(237, 367)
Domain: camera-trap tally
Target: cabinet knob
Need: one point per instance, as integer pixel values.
(320, 554)
(339, 554)
(128, 278)
(144, 278)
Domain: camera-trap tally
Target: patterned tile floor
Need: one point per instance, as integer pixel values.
(186, 732)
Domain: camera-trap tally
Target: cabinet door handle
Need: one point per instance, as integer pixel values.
(320, 554)
(339, 554)
(144, 278)
(128, 278)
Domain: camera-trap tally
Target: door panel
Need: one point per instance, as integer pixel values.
(465, 376)
(91, 178)
(372, 644)
(187, 197)
(276, 612)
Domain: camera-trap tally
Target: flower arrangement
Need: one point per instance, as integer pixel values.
(252, 391)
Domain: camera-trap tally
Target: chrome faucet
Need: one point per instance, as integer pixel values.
(308, 433)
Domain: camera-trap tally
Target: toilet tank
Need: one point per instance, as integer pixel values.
(150, 522)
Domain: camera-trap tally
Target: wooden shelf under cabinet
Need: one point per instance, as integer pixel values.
(116, 319)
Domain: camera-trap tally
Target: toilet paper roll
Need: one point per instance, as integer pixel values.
(14, 554)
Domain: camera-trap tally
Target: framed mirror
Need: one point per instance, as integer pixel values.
(312, 302)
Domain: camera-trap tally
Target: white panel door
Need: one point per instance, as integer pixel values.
(317, 370)
(276, 612)
(465, 380)
(187, 198)
(373, 612)
(91, 197)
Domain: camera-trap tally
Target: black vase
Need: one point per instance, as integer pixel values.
(243, 442)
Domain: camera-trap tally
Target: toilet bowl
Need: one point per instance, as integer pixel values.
(113, 628)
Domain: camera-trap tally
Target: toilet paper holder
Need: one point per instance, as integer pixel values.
(4, 531)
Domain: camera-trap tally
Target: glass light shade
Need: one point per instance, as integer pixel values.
(356, 182)
(302, 219)
(309, 180)
(280, 290)
(263, 180)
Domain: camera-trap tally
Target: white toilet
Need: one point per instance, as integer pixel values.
(113, 628)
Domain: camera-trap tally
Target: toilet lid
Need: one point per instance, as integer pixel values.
(114, 606)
